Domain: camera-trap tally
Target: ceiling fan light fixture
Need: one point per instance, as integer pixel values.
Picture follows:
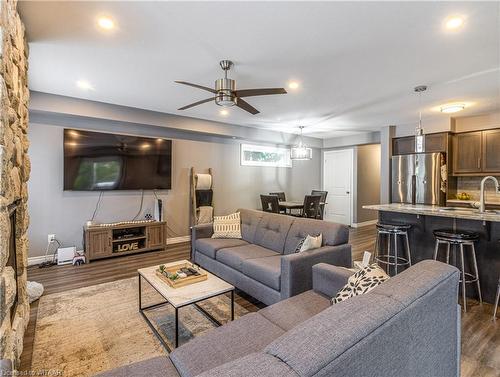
(300, 151)
(225, 88)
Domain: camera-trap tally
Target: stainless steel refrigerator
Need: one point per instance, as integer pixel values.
(416, 179)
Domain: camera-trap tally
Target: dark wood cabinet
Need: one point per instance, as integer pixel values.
(403, 145)
(491, 151)
(437, 142)
(467, 153)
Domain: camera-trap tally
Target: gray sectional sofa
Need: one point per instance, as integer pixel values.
(263, 263)
(407, 326)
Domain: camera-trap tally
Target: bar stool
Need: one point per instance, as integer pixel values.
(459, 239)
(496, 300)
(392, 258)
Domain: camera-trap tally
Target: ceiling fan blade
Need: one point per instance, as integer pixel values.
(196, 86)
(196, 103)
(259, 92)
(246, 106)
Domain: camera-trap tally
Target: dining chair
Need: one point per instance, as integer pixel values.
(270, 203)
(323, 195)
(311, 206)
(281, 196)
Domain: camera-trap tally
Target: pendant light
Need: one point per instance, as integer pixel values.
(419, 131)
(300, 151)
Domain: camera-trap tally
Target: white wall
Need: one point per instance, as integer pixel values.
(64, 212)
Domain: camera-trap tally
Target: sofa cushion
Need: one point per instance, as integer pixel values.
(272, 231)
(266, 270)
(160, 366)
(250, 333)
(333, 233)
(256, 364)
(234, 256)
(289, 313)
(209, 246)
(250, 218)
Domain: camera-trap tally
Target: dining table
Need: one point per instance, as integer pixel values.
(288, 205)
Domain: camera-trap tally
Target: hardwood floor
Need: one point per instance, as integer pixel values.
(480, 335)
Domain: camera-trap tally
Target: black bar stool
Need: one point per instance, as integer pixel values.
(459, 239)
(496, 300)
(391, 256)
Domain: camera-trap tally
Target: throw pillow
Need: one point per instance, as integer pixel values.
(309, 243)
(361, 282)
(227, 226)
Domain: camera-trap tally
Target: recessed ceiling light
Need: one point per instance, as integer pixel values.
(293, 84)
(106, 23)
(224, 112)
(84, 84)
(452, 108)
(454, 22)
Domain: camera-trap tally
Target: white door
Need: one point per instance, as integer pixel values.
(337, 180)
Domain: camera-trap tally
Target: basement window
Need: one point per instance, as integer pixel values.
(265, 155)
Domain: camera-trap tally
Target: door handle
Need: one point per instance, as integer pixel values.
(347, 192)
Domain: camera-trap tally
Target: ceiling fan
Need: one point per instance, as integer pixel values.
(226, 95)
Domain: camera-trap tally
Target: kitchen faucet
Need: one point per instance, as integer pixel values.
(481, 197)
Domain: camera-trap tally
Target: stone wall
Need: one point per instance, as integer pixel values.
(14, 174)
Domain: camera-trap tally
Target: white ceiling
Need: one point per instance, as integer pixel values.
(357, 63)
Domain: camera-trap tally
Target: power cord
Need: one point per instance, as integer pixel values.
(47, 263)
(97, 205)
(140, 208)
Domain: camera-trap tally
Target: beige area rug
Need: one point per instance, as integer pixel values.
(84, 331)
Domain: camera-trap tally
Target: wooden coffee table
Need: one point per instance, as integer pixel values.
(182, 296)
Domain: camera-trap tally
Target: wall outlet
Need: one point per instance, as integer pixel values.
(51, 238)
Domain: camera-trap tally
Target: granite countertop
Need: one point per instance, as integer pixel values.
(427, 210)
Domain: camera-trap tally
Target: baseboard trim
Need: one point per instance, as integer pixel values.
(32, 261)
(364, 223)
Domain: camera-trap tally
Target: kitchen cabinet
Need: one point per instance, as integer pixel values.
(403, 145)
(491, 151)
(476, 153)
(467, 153)
(433, 143)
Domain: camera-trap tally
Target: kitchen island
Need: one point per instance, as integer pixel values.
(424, 219)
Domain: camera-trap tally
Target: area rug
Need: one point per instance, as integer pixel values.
(84, 331)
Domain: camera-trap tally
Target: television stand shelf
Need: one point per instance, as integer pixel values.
(111, 240)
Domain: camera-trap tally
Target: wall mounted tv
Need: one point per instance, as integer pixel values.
(95, 161)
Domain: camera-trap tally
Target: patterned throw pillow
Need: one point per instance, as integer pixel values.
(227, 226)
(309, 243)
(361, 282)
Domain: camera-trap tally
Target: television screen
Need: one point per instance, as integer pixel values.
(95, 161)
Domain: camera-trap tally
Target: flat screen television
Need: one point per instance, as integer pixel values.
(95, 161)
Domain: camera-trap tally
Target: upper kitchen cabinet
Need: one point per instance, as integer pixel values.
(403, 145)
(476, 153)
(433, 143)
(491, 151)
(467, 153)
